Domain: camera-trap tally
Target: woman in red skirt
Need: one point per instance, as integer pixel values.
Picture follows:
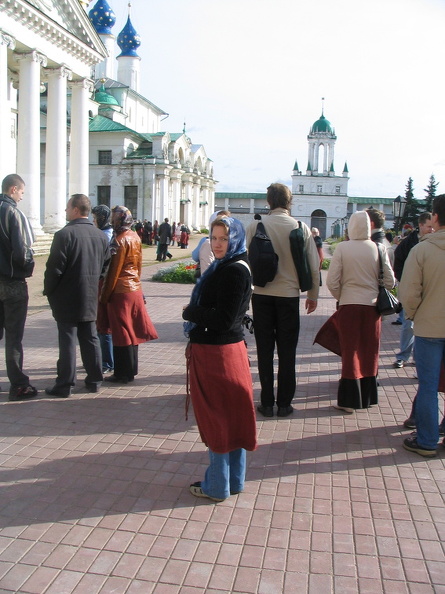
(122, 293)
(353, 281)
(220, 379)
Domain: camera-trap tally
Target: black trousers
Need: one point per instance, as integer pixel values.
(90, 353)
(276, 322)
(162, 252)
(13, 311)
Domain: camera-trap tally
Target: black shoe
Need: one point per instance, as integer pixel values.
(396, 323)
(22, 393)
(169, 256)
(93, 388)
(410, 423)
(266, 411)
(285, 411)
(58, 392)
(114, 379)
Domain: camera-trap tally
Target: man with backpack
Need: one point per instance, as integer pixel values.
(276, 305)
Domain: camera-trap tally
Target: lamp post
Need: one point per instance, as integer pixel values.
(398, 210)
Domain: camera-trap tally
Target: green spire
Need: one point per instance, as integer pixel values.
(345, 168)
(296, 166)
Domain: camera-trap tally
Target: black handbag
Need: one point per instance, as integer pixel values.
(387, 303)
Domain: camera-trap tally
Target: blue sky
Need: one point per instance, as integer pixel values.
(247, 76)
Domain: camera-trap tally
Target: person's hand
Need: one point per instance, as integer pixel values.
(310, 305)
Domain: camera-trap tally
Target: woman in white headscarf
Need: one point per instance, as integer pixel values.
(353, 280)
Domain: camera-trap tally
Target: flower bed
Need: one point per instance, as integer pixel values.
(182, 273)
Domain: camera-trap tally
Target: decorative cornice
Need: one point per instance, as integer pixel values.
(34, 20)
(7, 40)
(62, 72)
(32, 56)
(84, 83)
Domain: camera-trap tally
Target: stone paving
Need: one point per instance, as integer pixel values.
(94, 488)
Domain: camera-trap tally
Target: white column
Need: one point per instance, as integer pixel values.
(195, 201)
(56, 145)
(79, 140)
(7, 160)
(188, 199)
(163, 197)
(28, 141)
(205, 209)
(176, 195)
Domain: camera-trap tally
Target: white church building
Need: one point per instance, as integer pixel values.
(72, 119)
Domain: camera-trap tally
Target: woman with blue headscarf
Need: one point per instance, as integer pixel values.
(219, 372)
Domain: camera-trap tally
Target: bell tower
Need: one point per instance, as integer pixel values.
(320, 196)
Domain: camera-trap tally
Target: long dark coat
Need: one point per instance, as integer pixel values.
(79, 255)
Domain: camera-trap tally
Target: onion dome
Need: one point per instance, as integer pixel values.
(128, 40)
(322, 125)
(102, 17)
(105, 98)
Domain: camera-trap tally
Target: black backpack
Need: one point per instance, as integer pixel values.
(262, 257)
(299, 256)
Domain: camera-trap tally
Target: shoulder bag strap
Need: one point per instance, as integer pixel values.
(380, 265)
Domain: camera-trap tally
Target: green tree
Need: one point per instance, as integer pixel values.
(412, 208)
(430, 192)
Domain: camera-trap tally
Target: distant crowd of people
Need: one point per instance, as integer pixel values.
(162, 234)
(93, 284)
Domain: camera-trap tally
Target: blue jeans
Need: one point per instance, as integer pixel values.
(106, 346)
(226, 474)
(430, 352)
(406, 339)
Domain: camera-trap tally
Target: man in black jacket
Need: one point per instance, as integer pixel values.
(79, 255)
(377, 218)
(400, 256)
(165, 233)
(16, 264)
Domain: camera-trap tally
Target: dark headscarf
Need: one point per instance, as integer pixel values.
(236, 247)
(121, 219)
(102, 214)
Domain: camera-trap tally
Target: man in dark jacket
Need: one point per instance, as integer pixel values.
(165, 233)
(377, 218)
(400, 256)
(79, 255)
(16, 264)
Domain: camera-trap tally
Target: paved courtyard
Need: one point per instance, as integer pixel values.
(94, 488)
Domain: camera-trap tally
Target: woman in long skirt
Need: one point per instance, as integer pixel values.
(353, 279)
(220, 379)
(122, 293)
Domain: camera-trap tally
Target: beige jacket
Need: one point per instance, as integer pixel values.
(353, 276)
(422, 288)
(278, 224)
